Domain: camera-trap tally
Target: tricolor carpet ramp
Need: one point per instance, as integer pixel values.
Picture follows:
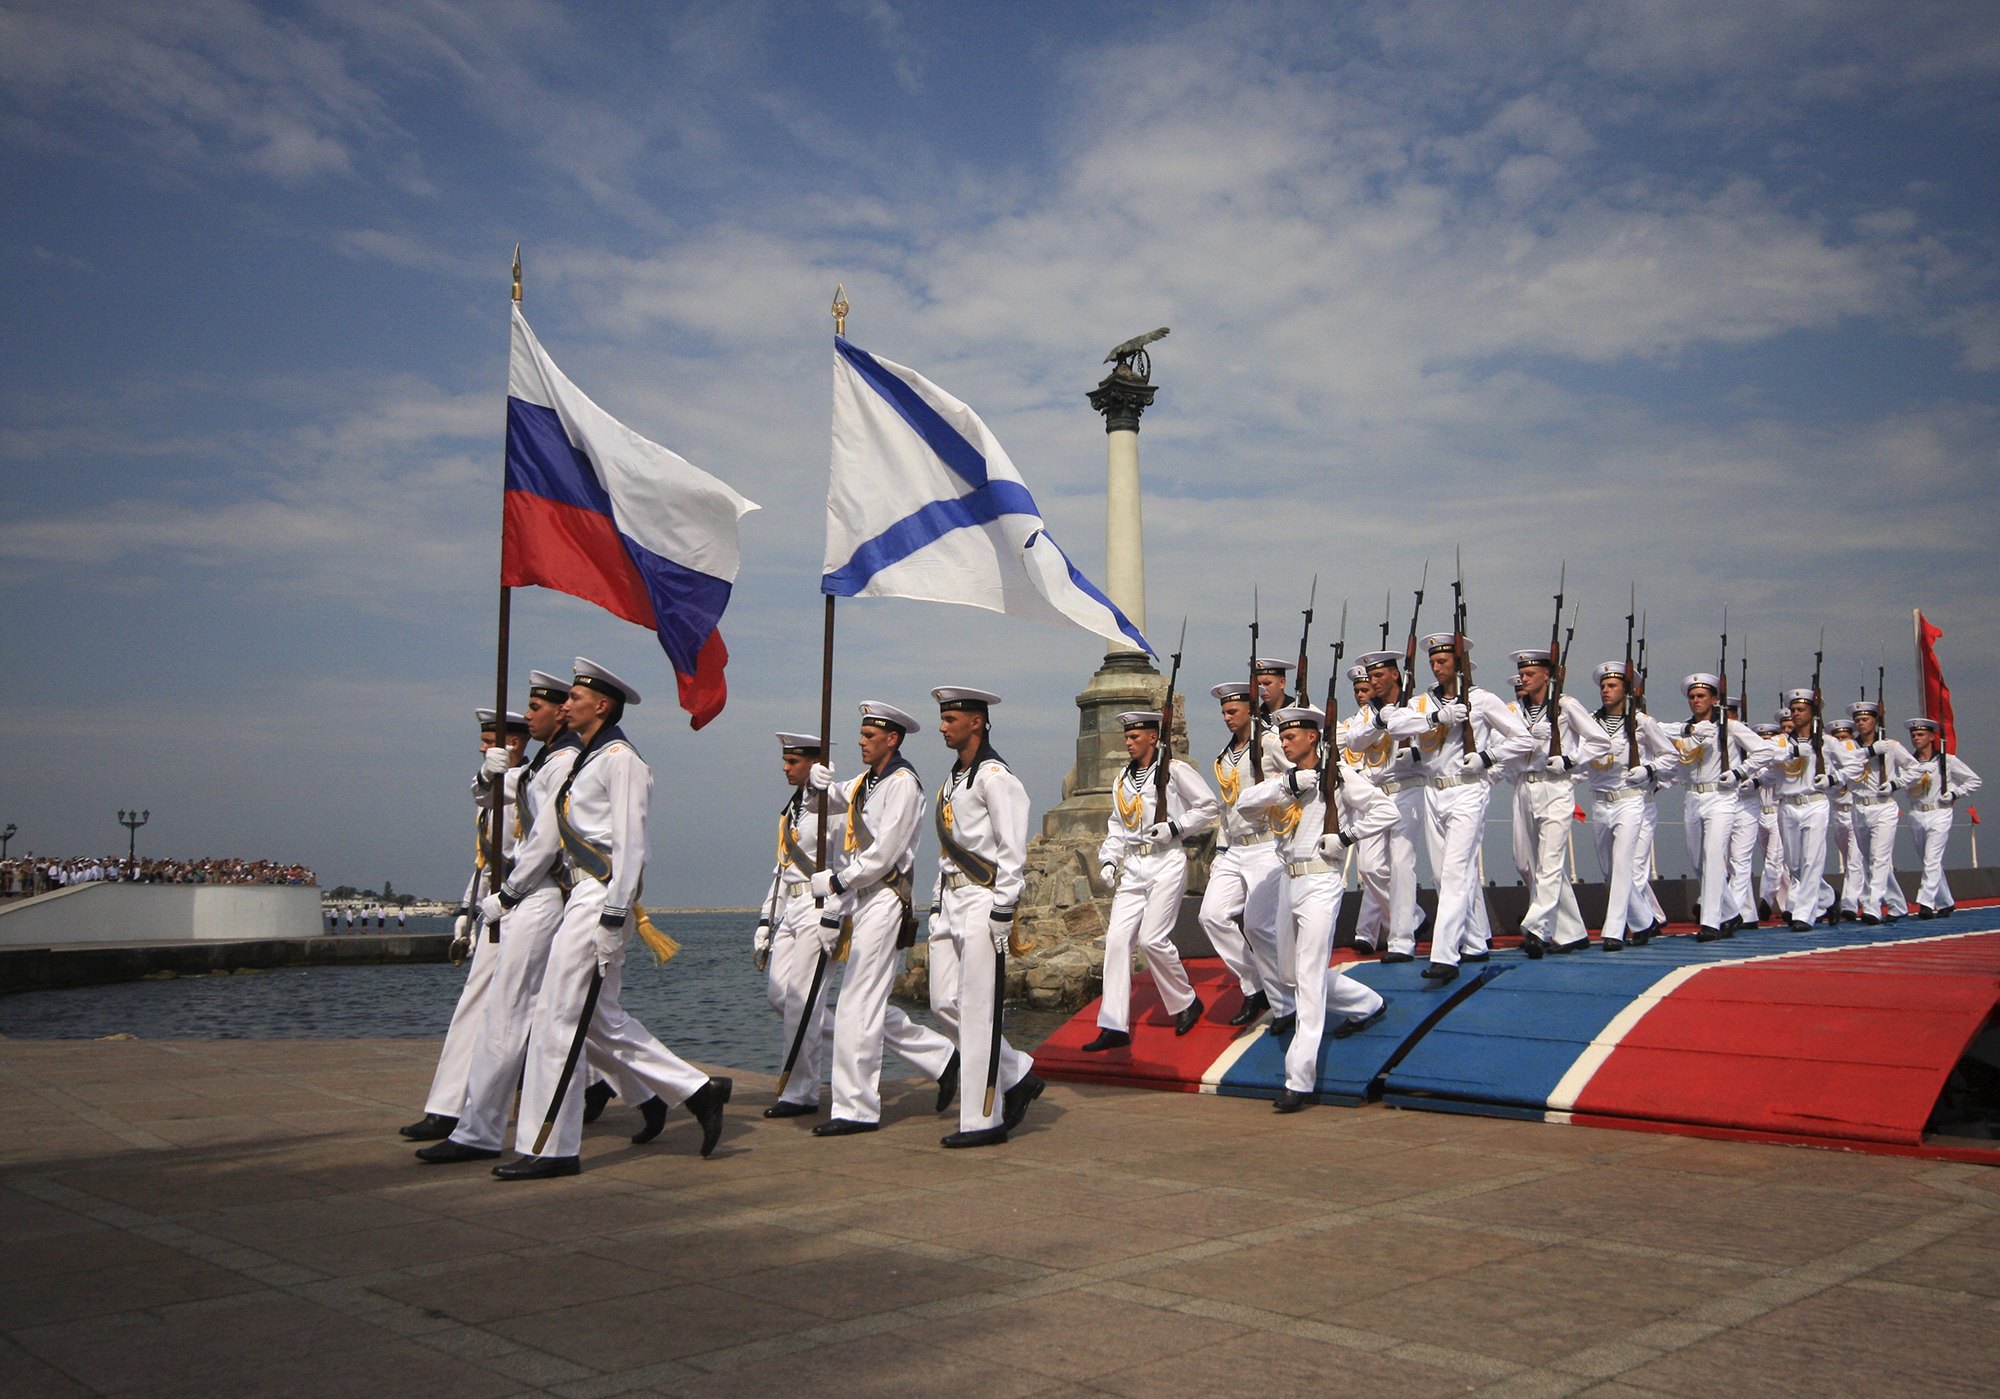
(1838, 1037)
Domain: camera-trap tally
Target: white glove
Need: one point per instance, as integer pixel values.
(822, 885)
(609, 940)
(1821, 781)
(1002, 930)
(497, 760)
(1879, 748)
(1472, 762)
(1562, 762)
(1729, 780)
(1107, 874)
(821, 777)
(1160, 832)
(1450, 712)
(1705, 729)
(829, 931)
(461, 928)
(491, 911)
(1302, 782)
(1333, 846)
(1636, 775)
(1539, 729)
(760, 941)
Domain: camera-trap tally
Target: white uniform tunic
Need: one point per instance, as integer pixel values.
(604, 855)
(1379, 743)
(1312, 891)
(1935, 785)
(796, 944)
(884, 820)
(468, 1017)
(1544, 806)
(1623, 817)
(1886, 767)
(1841, 835)
(1243, 880)
(1712, 811)
(1151, 881)
(1803, 817)
(983, 809)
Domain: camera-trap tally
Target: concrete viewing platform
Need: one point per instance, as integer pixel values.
(239, 1217)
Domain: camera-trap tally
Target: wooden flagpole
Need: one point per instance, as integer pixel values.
(496, 872)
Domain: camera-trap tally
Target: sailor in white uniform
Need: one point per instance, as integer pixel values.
(1744, 834)
(1313, 888)
(1545, 801)
(468, 1018)
(600, 818)
(1144, 858)
(1716, 759)
(787, 940)
(982, 831)
(1623, 792)
(1806, 773)
(1939, 781)
(1841, 833)
(1243, 876)
(1380, 743)
(1886, 768)
(884, 811)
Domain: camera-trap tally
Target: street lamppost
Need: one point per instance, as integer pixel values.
(132, 821)
(6, 836)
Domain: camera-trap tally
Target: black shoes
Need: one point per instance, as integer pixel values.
(655, 1113)
(1188, 1017)
(538, 1168)
(1799, 925)
(785, 1109)
(1475, 957)
(594, 1099)
(706, 1105)
(1646, 935)
(1283, 1025)
(1107, 1039)
(1253, 1007)
(1924, 915)
(1014, 1102)
(1355, 1027)
(985, 1136)
(447, 1151)
(845, 1127)
(435, 1127)
(1564, 948)
(1388, 957)
(1440, 973)
(1611, 944)
(948, 1083)
(1533, 947)
(1947, 910)
(1732, 923)
(1712, 934)
(1288, 1101)
(1869, 920)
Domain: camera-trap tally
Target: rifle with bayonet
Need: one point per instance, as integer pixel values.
(1163, 756)
(1305, 632)
(1329, 778)
(1556, 665)
(1256, 703)
(1722, 700)
(1458, 649)
(1631, 684)
(1385, 621)
(1818, 731)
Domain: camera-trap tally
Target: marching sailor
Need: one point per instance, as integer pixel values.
(447, 1095)
(1939, 780)
(1313, 887)
(1380, 743)
(1805, 775)
(1743, 838)
(599, 815)
(982, 830)
(1243, 877)
(1843, 837)
(1461, 773)
(1886, 767)
(1714, 764)
(1624, 792)
(1143, 857)
(787, 940)
(1545, 802)
(884, 810)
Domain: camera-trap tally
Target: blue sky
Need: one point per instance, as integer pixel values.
(1697, 296)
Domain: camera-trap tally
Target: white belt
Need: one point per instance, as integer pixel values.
(1884, 799)
(789, 891)
(1389, 789)
(1618, 794)
(1804, 799)
(1306, 867)
(1704, 788)
(1541, 776)
(962, 881)
(1441, 783)
(1929, 806)
(1264, 839)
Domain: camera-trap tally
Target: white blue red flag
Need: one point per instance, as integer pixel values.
(924, 503)
(597, 511)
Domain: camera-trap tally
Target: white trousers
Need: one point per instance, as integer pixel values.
(864, 1021)
(1931, 830)
(1710, 820)
(1623, 851)
(1311, 905)
(1803, 829)
(1875, 869)
(1847, 840)
(1457, 831)
(1243, 883)
(1144, 910)
(1742, 853)
(526, 934)
(965, 1002)
(468, 1022)
(1776, 885)
(1542, 815)
(788, 980)
(565, 986)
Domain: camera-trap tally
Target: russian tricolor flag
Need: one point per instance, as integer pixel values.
(597, 511)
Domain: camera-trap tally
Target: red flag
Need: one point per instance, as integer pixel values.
(1577, 812)
(1973, 812)
(1930, 680)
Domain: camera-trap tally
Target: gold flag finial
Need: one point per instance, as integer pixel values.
(517, 274)
(839, 309)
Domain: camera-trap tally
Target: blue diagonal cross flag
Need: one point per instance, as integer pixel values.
(924, 503)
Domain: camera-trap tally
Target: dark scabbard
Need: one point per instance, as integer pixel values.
(805, 1019)
(993, 1050)
(575, 1052)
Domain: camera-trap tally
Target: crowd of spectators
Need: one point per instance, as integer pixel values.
(38, 874)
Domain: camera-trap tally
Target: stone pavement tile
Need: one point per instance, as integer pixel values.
(901, 1167)
(1843, 1170)
(936, 1214)
(1206, 1214)
(1281, 1367)
(860, 1283)
(585, 1217)
(38, 1300)
(709, 1254)
(799, 1187)
(23, 1216)
(1070, 1241)
(1771, 1223)
(623, 1333)
(519, 1288)
(44, 1259)
(27, 1376)
(258, 1225)
(1744, 1364)
(1915, 1332)
(399, 1246)
(1952, 1264)
(1072, 1337)
(468, 1191)
(390, 1365)
(875, 1367)
(1591, 1200)
(163, 1185)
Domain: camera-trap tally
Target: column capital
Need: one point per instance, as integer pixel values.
(1121, 398)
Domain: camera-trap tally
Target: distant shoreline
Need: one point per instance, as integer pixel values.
(747, 908)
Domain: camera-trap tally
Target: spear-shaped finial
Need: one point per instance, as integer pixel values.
(517, 274)
(839, 309)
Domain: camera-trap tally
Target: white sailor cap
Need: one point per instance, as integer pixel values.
(1375, 658)
(1860, 707)
(1140, 719)
(1300, 716)
(798, 743)
(1606, 668)
(1765, 730)
(1231, 690)
(1734, 704)
(951, 697)
(1782, 715)
(593, 676)
(1840, 726)
(1701, 677)
(1446, 641)
(1264, 665)
(1933, 725)
(1534, 655)
(886, 715)
(1357, 673)
(1792, 697)
(514, 721)
(544, 686)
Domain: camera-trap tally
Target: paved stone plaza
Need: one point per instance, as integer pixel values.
(239, 1218)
